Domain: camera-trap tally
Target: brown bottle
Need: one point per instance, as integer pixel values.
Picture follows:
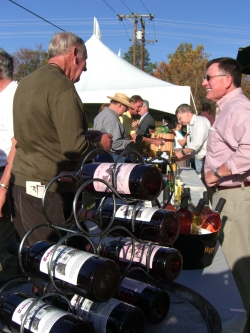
(191, 206)
(206, 211)
(131, 180)
(150, 223)
(185, 216)
(161, 262)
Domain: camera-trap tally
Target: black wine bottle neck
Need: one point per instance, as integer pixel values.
(186, 190)
(184, 201)
(220, 205)
(205, 197)
(200, 206)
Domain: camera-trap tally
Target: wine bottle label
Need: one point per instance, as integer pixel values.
(95, 312)
(67, 262)
(105, 170)
(41, 316)
(142, 213)
(133, 285)
(140, 253)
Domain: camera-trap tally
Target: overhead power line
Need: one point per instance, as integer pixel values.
(36, 15)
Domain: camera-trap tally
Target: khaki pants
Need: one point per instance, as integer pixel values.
(235, 236)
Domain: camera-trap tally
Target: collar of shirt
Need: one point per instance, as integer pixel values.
(226, 99)
(192, 120)
(143, 116)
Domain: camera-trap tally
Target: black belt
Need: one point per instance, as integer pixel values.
(2, 169)
(221, 188)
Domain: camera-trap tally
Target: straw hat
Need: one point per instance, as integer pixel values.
(121, 98)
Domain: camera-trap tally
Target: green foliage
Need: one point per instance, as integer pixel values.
(162, 129)
(149, 67)
(186, 67)
(27, 61)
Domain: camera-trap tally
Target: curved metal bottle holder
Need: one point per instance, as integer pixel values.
(172, 173)
(23, 320)
(133, 240)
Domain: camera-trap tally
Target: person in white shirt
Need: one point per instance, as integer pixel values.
(7, 153)
(199, 127)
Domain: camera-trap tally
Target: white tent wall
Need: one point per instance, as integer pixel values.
(107, 74)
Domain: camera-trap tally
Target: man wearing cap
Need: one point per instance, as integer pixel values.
(108, 121)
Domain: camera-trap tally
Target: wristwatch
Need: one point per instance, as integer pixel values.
(183, 152)
(216, 173)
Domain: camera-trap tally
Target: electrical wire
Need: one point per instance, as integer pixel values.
(127, 7)
(145, 6)
(36, 15)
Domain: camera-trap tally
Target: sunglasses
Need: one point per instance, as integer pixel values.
(208, 77)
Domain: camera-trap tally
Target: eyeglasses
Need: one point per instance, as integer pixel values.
(208, 77)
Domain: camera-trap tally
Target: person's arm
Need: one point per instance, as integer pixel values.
(69, 120)
(212, 180)
(5, 179)
(155, 141)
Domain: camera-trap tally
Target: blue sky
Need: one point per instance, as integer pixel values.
(221, 26)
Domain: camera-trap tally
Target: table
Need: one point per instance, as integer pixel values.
(216, 282)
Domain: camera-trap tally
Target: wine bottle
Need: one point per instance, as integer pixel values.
(166, 202)
(43, 317)
(185, 216)
(76, 271)
(133, 181)
(177, 189)
(191, 206)
(170, 183)
(197, 218)
(173, 161)
(206, 211)
(213, 221)
(150, 223)
(163, 262)
(153, 301)
(113, 316)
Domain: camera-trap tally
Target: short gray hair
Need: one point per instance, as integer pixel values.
(145, 103)
(6, 64)
(62, 42)
(183, 108)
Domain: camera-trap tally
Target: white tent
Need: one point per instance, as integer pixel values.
(108, 73)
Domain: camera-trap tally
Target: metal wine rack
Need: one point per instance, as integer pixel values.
(75, 221)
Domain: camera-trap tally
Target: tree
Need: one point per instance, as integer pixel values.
(245, 84)
(27, 61)
(186, 67)
(149, 67)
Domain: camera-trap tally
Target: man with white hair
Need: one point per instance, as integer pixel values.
(50, 128)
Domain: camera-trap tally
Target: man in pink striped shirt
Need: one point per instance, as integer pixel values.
(227, 166)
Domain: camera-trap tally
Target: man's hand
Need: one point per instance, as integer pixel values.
(211, 179)
(158, 142)
(135, 124)
(105, 140)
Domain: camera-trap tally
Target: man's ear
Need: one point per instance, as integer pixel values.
(229, 81)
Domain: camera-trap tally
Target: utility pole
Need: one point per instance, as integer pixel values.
(142, 35)
(135, 41)
(142, 44)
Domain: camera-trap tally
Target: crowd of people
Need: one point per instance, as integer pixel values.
(47, 135)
